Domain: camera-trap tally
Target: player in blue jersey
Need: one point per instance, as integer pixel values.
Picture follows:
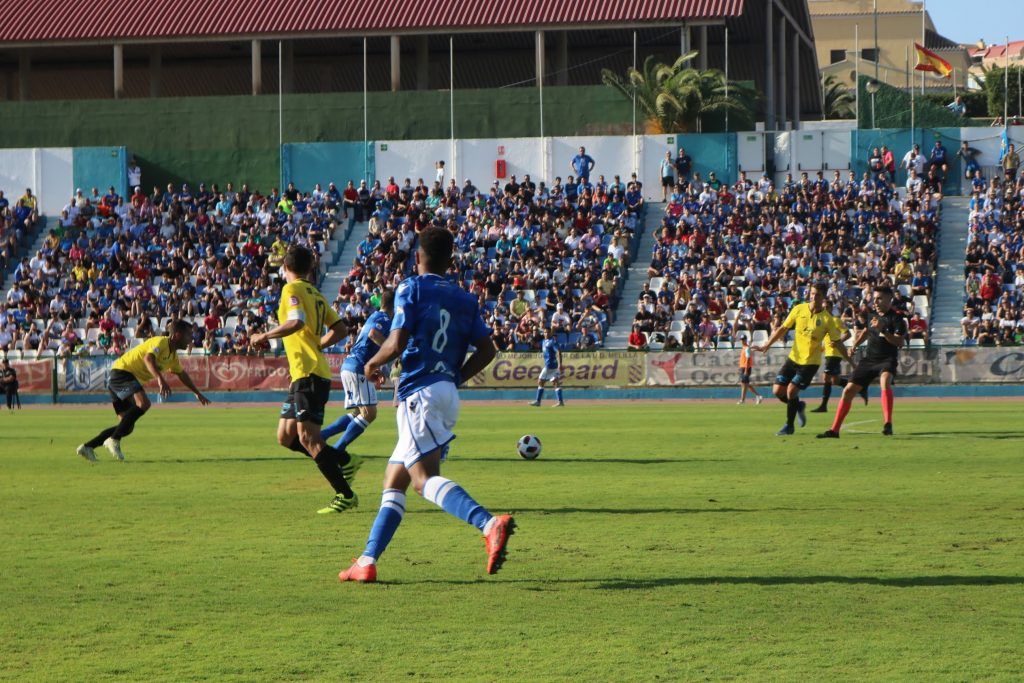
(435, 323)
(361, 392)
(552, 372)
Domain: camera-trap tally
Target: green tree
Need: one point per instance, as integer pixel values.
(838, 101)
(676, 98)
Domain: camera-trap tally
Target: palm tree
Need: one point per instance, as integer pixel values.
(837, 100)
(676, 98)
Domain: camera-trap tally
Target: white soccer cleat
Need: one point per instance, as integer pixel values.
(86, 453)
(758, 400)
(114, 446)
(739, 403)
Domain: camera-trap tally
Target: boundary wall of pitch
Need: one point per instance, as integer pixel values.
(609, 374)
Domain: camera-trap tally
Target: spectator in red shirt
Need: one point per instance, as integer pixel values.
(212, 321)
(918, 327)
(990, 287)
(637, 339)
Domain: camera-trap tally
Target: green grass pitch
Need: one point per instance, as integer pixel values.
(671, 540)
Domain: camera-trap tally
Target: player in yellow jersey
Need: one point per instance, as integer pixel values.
(302, 316)
(834, 370)
(129, 373)
(811, 323)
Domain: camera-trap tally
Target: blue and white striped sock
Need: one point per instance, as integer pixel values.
(558, 394)
(454, 500)
(392, 509)
(356, 427)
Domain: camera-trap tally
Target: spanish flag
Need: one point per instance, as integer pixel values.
(929, 61)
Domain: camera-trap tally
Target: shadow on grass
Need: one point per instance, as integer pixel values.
(670, 581)
(973, 435)
(456, 459)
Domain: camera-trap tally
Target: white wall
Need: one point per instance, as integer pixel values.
(412, 159)
(477, 160)
(47, 171)
(613, 155)
(988, 141)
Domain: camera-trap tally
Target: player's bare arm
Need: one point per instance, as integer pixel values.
(190, 385)
(283, 330)
(164, 387)
(334, 334)
(481, 358)
(389, 350)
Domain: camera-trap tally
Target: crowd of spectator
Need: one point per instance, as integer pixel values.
(18, 223)
(729, 261)
(536, 255)
(994, 267)
(112, 269)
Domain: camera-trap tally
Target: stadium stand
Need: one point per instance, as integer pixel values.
(112, 270)
(732, 260)
(993, 312)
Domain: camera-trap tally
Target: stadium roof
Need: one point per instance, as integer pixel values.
(35, 22)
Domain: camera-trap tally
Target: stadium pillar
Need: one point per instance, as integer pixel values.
(422, 63)
(396, 63)
(684, 40)
(796, 82)
(24, 76)
(118, 71)
(155, 71)
(769, 66)
(702, 59)
(563, 58)
(257, 67)
(288, 66)
(781, 96)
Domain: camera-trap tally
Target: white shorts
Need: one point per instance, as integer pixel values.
(549, 374)
(425, 422)
(359, 390)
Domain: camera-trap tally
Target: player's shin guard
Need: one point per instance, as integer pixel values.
(454, 500)
(887, 401)
(558, 394)
(392, 509)
(356, 426)
(336, 427)
(127, 424)
(841, 412)
(98, 440)
(328, 460)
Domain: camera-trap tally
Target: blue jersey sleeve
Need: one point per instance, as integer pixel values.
(404, 309)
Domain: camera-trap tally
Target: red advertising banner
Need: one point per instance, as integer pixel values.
(34, 375)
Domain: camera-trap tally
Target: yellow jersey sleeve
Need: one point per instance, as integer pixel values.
(794, 313)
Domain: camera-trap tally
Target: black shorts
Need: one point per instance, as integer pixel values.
(307, 399)
(867, 372)
(744, 376)
(123, 386)
(798, 375)
(668, 181)
(833, 365)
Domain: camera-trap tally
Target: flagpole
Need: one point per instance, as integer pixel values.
(1006, 85)
(727, 79)
(924, 42)
(856, 61)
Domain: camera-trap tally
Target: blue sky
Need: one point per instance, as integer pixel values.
(966, 21)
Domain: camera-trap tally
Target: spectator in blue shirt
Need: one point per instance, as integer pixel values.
(957, 106)
(938, 158)
(582, 164)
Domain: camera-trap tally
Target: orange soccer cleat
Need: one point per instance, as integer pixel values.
(356, 572)
(497, 541)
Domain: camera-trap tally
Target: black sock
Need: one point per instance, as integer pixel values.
(98, 440)
(299, 448)
(782, 399)
(792, 406)
(826, 393)
(328, 461)
(127, 424)
(842, 381)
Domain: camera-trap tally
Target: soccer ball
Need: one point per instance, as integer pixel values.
(529, 447)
